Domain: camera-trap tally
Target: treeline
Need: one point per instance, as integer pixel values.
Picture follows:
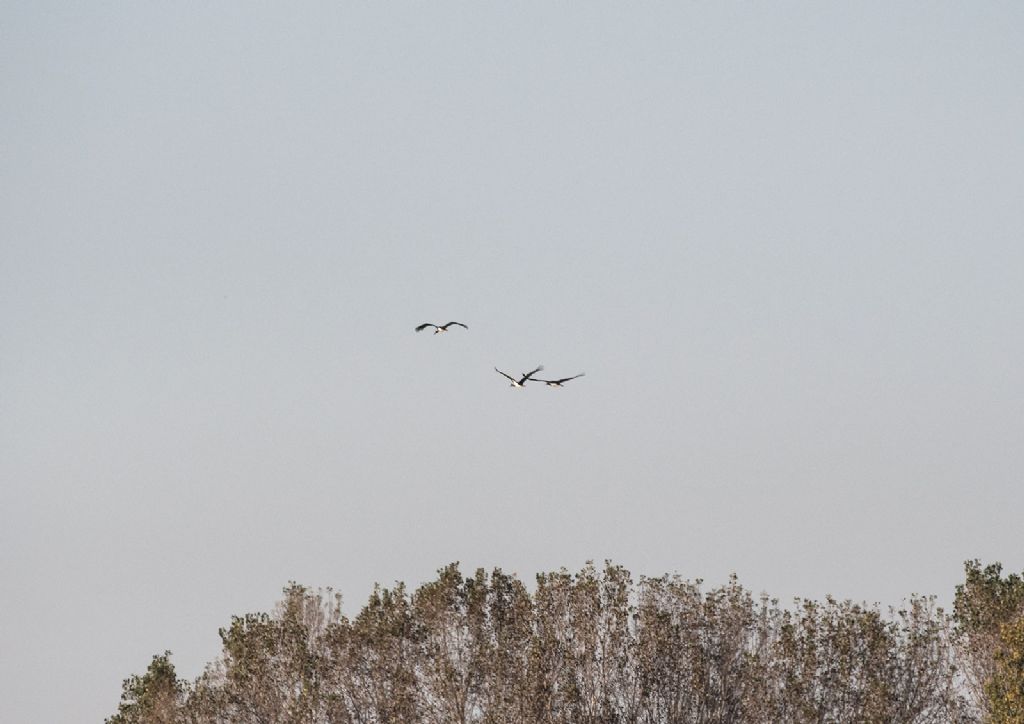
(596, 647)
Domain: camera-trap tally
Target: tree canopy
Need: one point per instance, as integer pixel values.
(598, 647)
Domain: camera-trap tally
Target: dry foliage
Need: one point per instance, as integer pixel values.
(593, 647)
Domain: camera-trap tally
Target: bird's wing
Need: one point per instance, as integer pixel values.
(459, 324)
(504, 375)
(566, 379)
(424, 326)
(528, 375)
(538, 379)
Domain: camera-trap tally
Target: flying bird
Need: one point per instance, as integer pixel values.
(521, 380)
(557, 383)
(439, 328)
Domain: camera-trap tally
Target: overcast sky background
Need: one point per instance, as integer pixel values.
(785, 241)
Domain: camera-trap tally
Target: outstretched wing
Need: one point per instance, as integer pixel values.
(513, 379)
(566, 379)
(459, 324)
(528, 375)
(425, 325)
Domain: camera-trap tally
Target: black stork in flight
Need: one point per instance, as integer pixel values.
(558, 383)
(521, 380)
(439, 328)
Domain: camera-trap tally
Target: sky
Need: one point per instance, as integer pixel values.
(785, 242)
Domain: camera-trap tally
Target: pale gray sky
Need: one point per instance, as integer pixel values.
(785, 241)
